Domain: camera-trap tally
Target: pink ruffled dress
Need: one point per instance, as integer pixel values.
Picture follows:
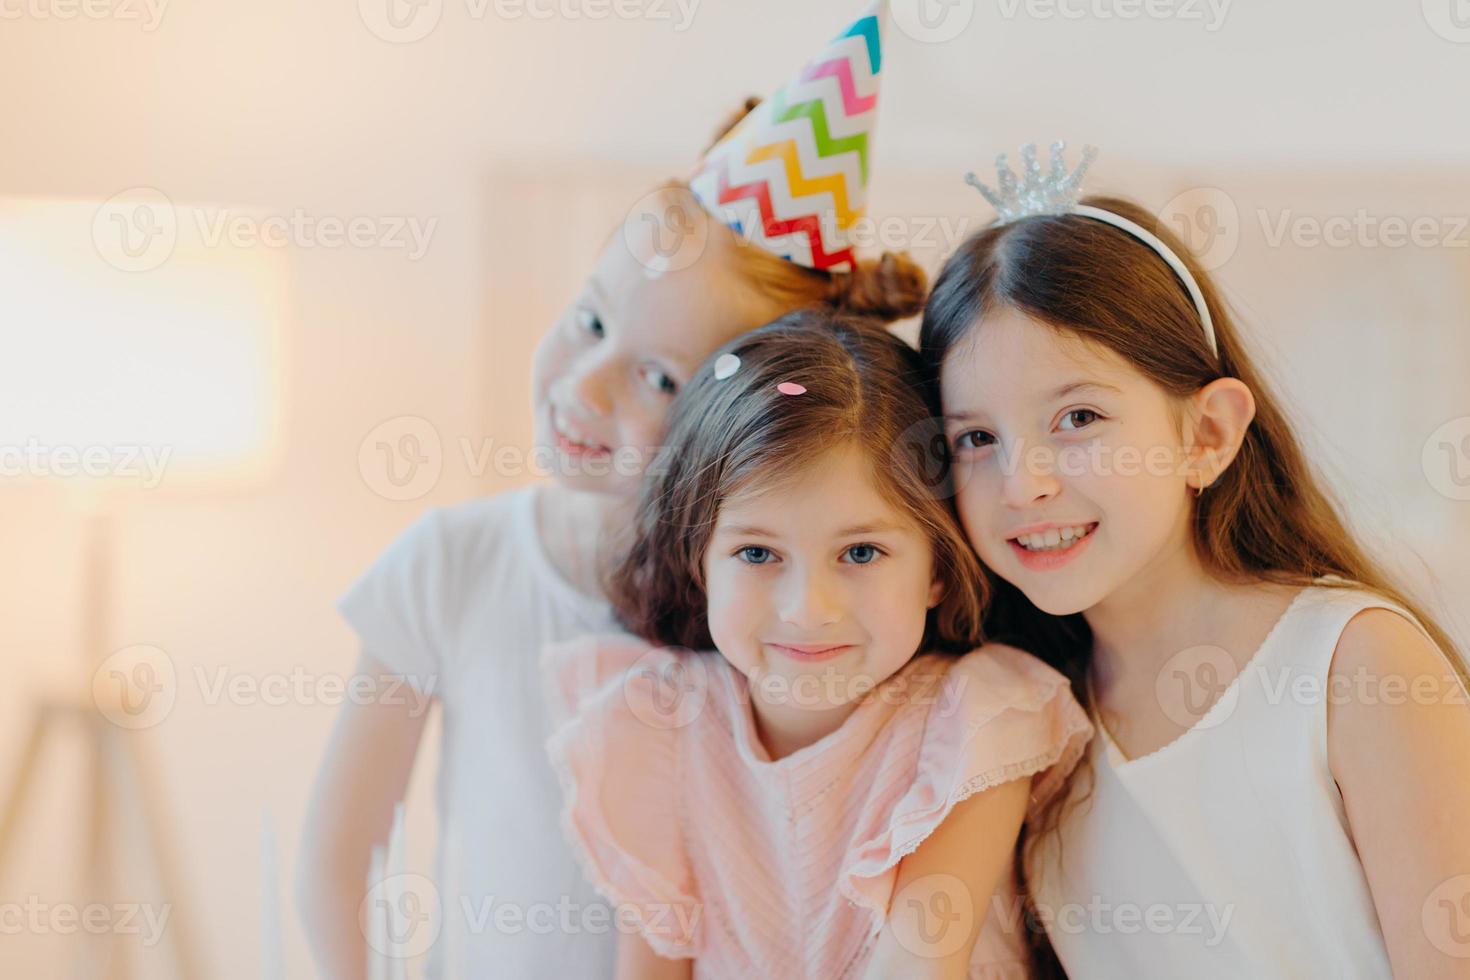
(785, 868)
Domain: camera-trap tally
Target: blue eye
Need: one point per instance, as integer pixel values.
(590, 322)
(754, 555)
(660, 381)
(864, 554)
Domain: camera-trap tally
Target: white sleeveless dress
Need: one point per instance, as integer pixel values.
(1227, 852)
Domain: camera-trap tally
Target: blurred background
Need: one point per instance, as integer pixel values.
(271, 273)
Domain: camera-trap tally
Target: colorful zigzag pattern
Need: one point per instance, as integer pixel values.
(793, 176)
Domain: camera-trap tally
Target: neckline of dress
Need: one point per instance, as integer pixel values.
(1115, 756)
(747, 738)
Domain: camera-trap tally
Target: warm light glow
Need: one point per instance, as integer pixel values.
(110, 352)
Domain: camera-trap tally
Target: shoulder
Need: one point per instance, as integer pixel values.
(1394, 693)
(1002, 713)
(469, 520)
(439, 533)
(662, 687)
(1002, 675)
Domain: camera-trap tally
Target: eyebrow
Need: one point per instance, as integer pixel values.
(1062, 392)
(751, 531)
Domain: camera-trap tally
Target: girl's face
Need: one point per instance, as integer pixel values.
(1069, 463)
(604, 375)
(818, 588)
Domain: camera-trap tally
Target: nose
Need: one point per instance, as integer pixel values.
(1030, 476)
(591, 384)
(810, 599)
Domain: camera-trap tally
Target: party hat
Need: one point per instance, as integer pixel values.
(792, 177)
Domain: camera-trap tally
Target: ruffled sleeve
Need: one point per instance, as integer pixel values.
(618, 758)
(998, 714)
(575, 668)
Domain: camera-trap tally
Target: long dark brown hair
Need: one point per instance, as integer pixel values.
(1267, 518)
(864, 388)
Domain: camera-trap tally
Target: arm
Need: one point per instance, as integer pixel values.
(947, 885)
(362, 777)
(1401, 758)
(638, 961)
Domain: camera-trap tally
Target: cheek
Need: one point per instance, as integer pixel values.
(733, 605)
(978, 501)
(642, 424)
(548, 362)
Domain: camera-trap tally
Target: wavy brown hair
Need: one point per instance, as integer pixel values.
(1267, 518)
(731, 436)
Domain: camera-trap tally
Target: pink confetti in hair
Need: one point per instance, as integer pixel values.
(790, 388)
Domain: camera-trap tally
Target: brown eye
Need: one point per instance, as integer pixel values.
(974, 439)
(1080, 418)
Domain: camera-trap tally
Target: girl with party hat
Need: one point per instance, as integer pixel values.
(459, 604)
(1278, 787)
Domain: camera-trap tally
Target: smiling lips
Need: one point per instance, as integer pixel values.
(570, 441)
(1050, 546)
(810, 652)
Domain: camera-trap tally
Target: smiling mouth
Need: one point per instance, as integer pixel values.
(811, 652)
(569, 442)
(1053, 539)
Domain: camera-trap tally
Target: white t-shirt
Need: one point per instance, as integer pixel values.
(462, 603)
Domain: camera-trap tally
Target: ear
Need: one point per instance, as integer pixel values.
(936, 593)
(1222, 413)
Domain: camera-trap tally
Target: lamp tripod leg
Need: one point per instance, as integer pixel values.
(130, 761)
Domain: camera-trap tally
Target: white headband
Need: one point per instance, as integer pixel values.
(1056, 193)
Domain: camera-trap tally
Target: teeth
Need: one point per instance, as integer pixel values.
(570, 435)
(1053, 539)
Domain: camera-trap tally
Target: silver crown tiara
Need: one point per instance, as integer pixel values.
(1057, 192)
(1035, 193)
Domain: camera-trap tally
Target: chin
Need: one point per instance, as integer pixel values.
(1058, 600)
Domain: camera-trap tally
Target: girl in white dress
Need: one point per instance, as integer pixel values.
(1281, 778)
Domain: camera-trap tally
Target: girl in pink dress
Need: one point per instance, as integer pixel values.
(801, 762)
